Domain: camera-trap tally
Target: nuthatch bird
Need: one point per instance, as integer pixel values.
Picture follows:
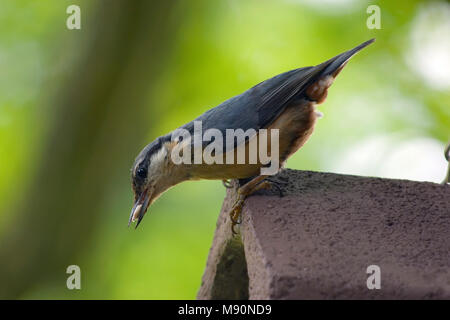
(286, 102)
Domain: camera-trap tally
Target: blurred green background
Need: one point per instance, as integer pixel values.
(76, 107)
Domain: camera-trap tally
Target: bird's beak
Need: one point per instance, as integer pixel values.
(140, 207)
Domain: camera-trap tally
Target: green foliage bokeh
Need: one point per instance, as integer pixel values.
(221, 49)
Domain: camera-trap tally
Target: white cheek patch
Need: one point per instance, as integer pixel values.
(159, 156)
(156, 160)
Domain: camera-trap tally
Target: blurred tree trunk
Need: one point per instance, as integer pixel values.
(100, 118)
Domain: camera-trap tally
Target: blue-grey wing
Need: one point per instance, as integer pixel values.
(260, 105)
(257, 107)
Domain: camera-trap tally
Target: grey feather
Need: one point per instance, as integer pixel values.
(260, 105)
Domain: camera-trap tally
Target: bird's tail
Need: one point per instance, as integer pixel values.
(334, 64)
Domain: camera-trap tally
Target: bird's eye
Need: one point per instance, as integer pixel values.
(141, 173)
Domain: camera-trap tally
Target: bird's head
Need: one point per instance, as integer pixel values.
(151, 175)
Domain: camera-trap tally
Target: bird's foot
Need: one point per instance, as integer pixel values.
(235, 213)
(243, 192)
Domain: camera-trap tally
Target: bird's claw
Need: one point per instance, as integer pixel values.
(235, 213)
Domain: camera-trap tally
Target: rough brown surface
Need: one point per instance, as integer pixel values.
(318, 240)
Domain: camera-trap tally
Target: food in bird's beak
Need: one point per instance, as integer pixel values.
(136, 212)
(139, 208)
